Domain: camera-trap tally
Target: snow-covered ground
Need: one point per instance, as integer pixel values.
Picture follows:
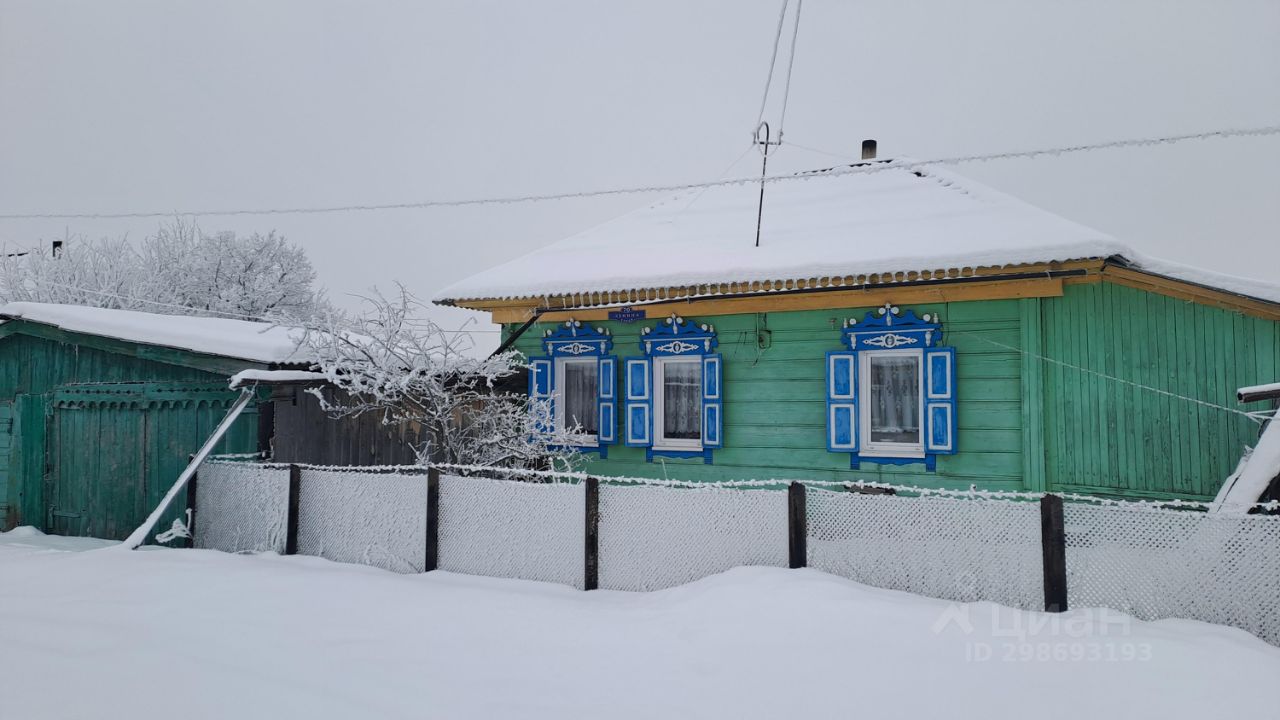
(201, 634)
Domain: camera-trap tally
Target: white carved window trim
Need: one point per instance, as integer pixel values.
(659, 418)
(558, 391)
(888, 449)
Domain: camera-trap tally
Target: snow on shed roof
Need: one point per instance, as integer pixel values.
(899, 217)
(240, 339)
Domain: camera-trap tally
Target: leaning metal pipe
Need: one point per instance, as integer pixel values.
(137, 537)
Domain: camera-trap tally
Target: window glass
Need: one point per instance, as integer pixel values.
(682, 401)
(579, 397)
(895, 399)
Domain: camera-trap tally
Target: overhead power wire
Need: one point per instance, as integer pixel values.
(791, 62)
(773, 59)
(861, 169)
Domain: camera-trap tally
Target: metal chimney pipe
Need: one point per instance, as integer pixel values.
(868, 149)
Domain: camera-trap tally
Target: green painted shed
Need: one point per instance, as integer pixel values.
(100, 409)
(891, 322)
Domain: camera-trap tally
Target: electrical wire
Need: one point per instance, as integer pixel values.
(1255, 416)
(723, 173)
(869, 168)
(773, 59)
(819, 151)
(791, 61)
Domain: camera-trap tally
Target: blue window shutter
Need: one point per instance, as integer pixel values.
(608, 397)
(842, 401)
(540, 378)
(940, 401)
(541, 381)
(638, 422)
(712, 402)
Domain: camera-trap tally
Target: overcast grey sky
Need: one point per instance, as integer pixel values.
(164, 105)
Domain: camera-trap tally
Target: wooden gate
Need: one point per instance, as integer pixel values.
(6, 449)
(113, 449)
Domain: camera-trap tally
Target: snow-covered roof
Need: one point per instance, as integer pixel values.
(240, 339)
(898, 217)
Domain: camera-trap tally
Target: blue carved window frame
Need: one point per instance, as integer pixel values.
(674, 337)
(572, 340)
(889, 330)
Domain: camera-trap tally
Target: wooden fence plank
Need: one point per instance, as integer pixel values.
(797, 530)
(433, 520)
(291, 528)
(1053, 543)
(591, 567)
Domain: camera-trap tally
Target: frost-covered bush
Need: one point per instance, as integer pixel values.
(391, 360)
(179, 269)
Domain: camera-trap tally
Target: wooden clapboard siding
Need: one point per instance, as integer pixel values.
(1047, 394)
(775, 402)
(1105, 433)
(6, 448)
(35, 361)
(305, 433)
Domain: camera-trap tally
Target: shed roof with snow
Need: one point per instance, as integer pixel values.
(255, 342)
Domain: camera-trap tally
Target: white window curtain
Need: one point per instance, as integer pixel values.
(895, 399)
(682, 401)
(580, 407)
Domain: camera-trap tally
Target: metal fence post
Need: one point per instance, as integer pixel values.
(291, 529)
(1053, 543)
(797, 526)
(591, 564)
(433, 520)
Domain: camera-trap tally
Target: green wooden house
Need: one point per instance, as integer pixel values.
(100, 409)
(894, 323)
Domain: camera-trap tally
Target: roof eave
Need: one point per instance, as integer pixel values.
(167, 354)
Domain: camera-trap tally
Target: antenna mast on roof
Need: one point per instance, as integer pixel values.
(766, 142)
(763, 136)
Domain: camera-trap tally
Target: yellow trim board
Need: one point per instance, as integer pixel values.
(641, 296)
(830, 300)
(518, 311)
(1170, 287)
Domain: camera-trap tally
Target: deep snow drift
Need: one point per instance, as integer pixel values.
(201, 634)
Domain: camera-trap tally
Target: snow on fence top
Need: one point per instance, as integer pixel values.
(1267, 389)
(241, 339)
(893, 218)
(269, 377)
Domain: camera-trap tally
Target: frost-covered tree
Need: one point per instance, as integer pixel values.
(179, 269)
(391, 360)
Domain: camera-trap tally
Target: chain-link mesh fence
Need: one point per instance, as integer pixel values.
(372, 518)
(656, 537)
(241, 507)
(1138, 558)
(949, 548)
(1156, 563)
(513, 529)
